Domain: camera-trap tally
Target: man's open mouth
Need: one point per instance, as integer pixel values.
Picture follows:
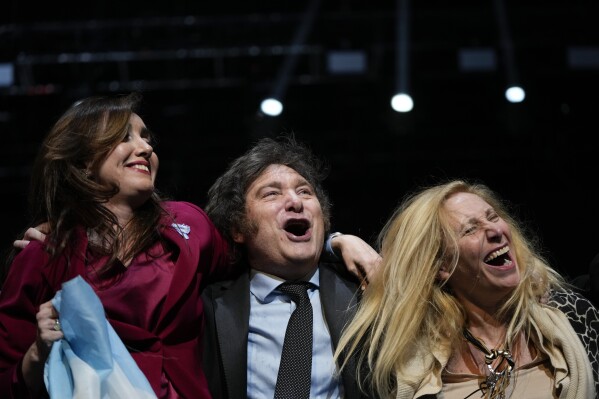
(297, 227)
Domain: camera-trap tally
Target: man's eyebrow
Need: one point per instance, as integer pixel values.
(269, 184)
(303, 182)
(298, 182)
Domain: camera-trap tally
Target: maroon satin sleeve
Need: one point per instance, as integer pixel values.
(24, 289)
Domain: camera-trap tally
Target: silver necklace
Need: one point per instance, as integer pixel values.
(498, 377)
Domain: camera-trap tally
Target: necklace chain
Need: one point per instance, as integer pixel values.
(498, 378)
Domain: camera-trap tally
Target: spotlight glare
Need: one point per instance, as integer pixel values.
(402, 102)
(271, 107)
(515, 94)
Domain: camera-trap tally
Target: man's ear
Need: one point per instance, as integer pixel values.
(238, 237)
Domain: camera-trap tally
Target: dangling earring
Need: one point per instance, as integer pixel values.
(87, 173)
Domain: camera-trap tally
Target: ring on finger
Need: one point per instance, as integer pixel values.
(57, 325)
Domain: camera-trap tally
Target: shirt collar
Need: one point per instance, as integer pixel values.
(262, 285)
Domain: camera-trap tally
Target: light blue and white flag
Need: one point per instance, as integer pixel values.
(91, 362)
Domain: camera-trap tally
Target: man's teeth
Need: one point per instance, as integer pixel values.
(141, 167)
(497, 253)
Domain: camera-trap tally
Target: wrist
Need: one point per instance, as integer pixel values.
(331, 246)
(32, 370)
(334, 235)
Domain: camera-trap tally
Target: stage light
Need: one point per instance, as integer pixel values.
(402, 102)
(515, 94)
(271, 107)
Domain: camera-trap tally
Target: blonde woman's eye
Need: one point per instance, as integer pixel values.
(469, 230)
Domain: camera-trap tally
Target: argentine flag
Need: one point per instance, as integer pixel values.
(91, 362)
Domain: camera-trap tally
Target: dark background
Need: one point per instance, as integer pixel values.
(204, 67)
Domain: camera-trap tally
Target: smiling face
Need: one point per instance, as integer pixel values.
(286, 232)
(132, 165)
(486, 271)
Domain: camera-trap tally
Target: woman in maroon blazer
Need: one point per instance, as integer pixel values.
(146, 258)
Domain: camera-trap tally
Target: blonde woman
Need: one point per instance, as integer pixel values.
(465, 308)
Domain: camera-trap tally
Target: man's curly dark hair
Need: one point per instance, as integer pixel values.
(227, 197)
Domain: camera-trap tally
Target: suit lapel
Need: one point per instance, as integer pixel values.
(339, 300)
(232, 315)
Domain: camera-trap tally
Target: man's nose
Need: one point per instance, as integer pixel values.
(293, 202)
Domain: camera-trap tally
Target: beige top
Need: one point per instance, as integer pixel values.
(532, 381)
(573, 374)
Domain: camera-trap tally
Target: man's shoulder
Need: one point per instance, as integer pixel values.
(337, 271)
(219, 288)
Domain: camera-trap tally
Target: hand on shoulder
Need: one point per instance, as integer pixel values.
(37, 233)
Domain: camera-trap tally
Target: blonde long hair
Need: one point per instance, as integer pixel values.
(408, 310)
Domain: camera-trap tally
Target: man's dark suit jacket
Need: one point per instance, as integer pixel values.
(227, 313)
